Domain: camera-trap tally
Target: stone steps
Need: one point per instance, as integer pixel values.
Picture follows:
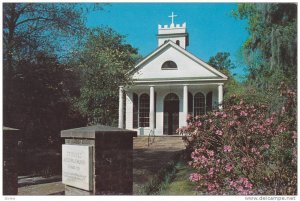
(159, 142)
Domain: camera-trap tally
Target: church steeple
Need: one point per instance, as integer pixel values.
(176, 33)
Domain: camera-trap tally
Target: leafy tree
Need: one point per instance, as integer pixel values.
(32, 28)
(41, 106)
(37, 87)
(103, 65)
(271, 49)
(28, 27)
(221, 61)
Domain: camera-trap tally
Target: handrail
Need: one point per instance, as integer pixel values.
(149, 137)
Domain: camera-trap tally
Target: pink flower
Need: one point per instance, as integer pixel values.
(210, 153)
(204, 161)
(261, 127)
(227, 148)
(219, 114)
(233, 183)
(219, 132)
(281, 128)
(228, 167)
(248, 185)
(242, 180)
(211, 171)
(253, 149)
(198, 124)
(269, 121)
(211, 186)
(231, 123)
(243, 114)
(240, 188)
(194, 177)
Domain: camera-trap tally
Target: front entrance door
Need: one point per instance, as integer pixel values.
(171, 114)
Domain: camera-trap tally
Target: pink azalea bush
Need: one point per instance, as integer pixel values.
(245, 149)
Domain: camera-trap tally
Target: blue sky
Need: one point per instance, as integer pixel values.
(211, 27)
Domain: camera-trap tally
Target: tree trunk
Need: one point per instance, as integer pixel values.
(8, 68)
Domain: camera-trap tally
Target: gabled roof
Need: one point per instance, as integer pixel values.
(171, 44)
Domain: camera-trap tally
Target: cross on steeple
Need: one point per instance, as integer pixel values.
(172, 16)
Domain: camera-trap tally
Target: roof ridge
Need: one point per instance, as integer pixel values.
(182, 50)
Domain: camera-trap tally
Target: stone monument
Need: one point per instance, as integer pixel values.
(97, 160)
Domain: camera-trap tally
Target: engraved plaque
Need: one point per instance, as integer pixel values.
(77, 164)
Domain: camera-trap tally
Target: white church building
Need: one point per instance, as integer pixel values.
(168, 85)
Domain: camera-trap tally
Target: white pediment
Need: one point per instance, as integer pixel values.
(188, 66)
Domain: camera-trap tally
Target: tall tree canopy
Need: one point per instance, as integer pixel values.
(271, 49)
(32, 27)
(103, 65)
(37, 87)
(221, 61)
(41, 100)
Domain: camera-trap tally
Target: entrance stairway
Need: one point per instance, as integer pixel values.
(173, 142)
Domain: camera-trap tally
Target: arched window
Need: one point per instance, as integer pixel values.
(144, 110)
(208, 102)
(135, 111)
(199, 104)
(177, 42)
(169, 65)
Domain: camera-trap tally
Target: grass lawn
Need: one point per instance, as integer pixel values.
(180, 184)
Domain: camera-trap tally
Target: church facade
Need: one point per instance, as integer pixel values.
(168, 85)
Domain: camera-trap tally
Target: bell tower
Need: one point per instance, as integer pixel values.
(176, 33)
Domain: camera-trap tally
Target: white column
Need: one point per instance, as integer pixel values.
(185, 102)
(129, 110)
(220, 96)
(152, 108)
(121, 109)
